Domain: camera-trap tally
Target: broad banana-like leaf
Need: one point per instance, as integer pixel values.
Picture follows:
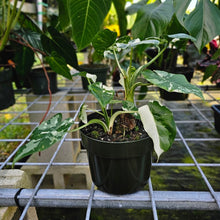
(158, 122)
(203, 23)
(103, 40)
(64, 20)
(103, 93)
(122, 20)
(86, 19)
(152, 19)
(135, 7)
(180, 8)
(171, 82)
(45, 135)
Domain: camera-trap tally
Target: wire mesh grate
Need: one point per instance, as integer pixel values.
(196, 141)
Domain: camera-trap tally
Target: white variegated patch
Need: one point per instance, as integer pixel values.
(93, 77)
(108, 88)
(83, 115)
(121, 81)
(150, 127)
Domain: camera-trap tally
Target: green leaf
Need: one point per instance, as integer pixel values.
(180, 8)
(28, 23)
(182, 36)
(135, 7)
(64, 47)
(216, 55)
(152, 19)
(143, 91)
(103, 93)
(58, 65)
(158, 122)
(203, 23)
(121, 14)
(45, 135)
(32, 37)
(175, 26)
(128, 106)
(24, 59)
(103, 40)
(86, 18)
(136, 42)
(64, 20)
(171, 82)
(209, 72)
(125, 39)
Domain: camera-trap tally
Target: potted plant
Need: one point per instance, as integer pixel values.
(55, 49)
(162, 19)
(85, 22)
(216, 110)
(8, 18)
(211, 66)
(6, 90)
(120, 159)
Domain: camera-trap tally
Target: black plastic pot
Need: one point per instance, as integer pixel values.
(167, 60)
(100, 70)
(216, 109)
(7, 98)
(119, 167)
(174, 96)
(39, 82)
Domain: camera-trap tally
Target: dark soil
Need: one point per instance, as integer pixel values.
(126, 128)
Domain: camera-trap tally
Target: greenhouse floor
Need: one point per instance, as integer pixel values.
(185, 178)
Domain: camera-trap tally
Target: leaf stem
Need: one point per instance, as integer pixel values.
(113, 117)
(118, 64)
(93, 121)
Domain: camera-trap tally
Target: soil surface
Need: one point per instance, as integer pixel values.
(126, 128)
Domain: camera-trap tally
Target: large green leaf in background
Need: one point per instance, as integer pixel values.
(86, 18)
(64, 47)
(122, 20)
(58, 65)
(32, 37)
(152, 19)
(28, 23)
(171, 82)
(24, 59)
(103, 39)
(203, 23)
(180, 8)
(133, 8)
(45, 135)
(64, 20)
(159, 123)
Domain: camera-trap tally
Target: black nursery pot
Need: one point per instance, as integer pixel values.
(39, 82)
(216, 109)
(174, 96)
(119, 167)
(7, 98)
(100, 70)
(169, 58)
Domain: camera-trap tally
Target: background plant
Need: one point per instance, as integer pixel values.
(9, 15)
